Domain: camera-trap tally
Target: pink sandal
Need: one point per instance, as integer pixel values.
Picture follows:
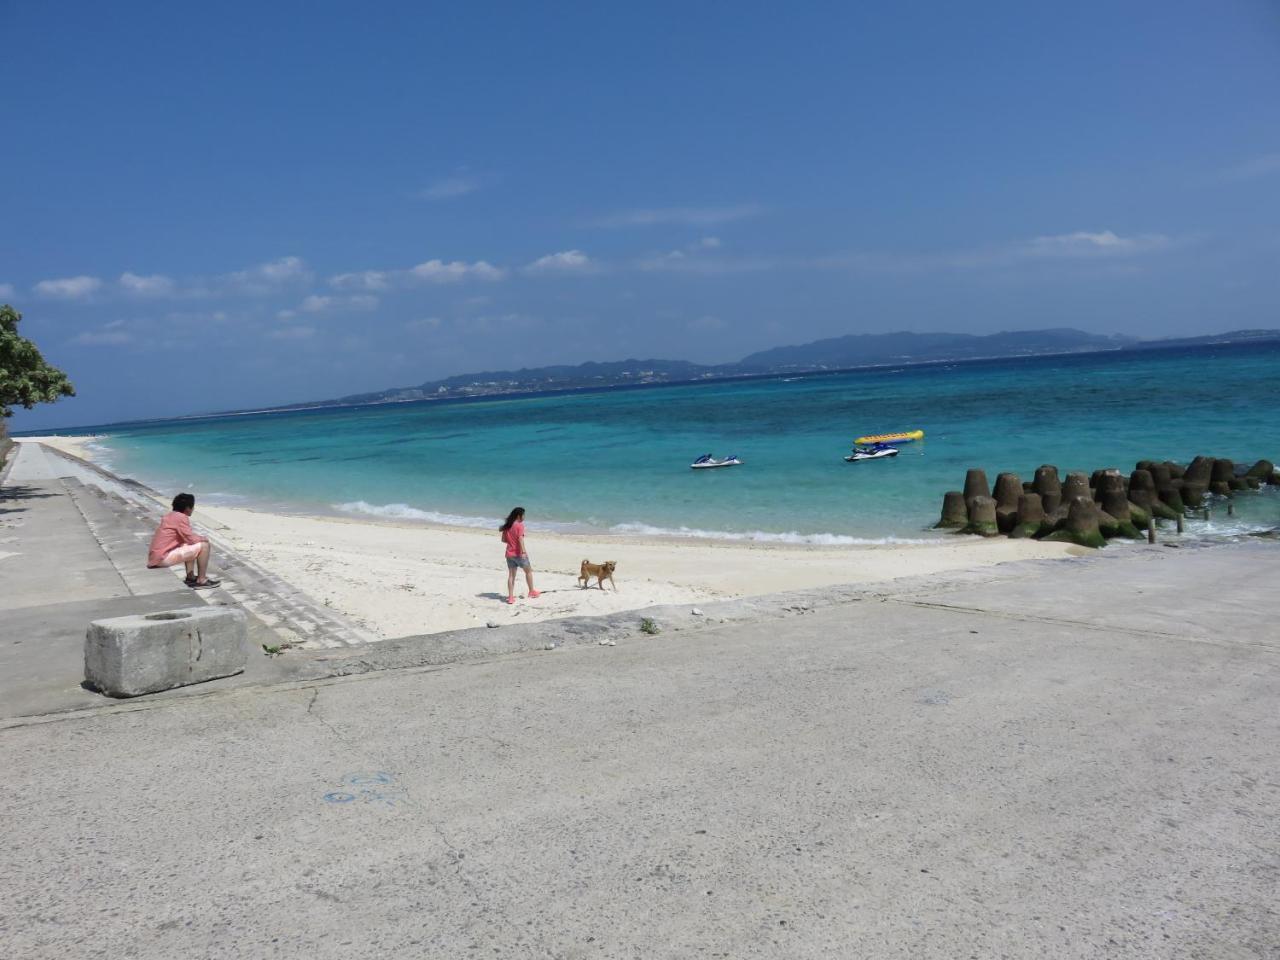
(511, 599)
(533, 594)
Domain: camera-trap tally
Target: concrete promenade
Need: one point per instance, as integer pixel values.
(71, 552)
(1070, 759)
(73, 544)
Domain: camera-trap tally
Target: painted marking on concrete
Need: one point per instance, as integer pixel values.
(374, 787)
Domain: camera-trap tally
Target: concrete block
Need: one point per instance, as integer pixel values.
(144, 653)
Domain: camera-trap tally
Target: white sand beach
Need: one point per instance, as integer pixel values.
(405, 578)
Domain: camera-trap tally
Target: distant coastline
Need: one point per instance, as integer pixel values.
(627, 375)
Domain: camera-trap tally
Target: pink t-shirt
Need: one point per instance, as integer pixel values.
(174, 531)
(512, 537)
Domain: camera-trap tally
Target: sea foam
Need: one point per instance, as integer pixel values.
(762, 536)
(402, 511)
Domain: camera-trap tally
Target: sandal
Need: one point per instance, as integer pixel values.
(208, 584)
(511, 599)
(534, 594)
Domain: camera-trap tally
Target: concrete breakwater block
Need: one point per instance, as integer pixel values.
(1076, 485)
(982, 517)
(1082, 525)
(955, 512)
(145, 653)
(1262, 470)
(1088, 509)
(1030, 516)
(1049, 486)
(975, 485)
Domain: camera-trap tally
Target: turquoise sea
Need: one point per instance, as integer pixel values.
(618, 459)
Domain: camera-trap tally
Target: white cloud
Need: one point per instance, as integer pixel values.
(110, 334)
(437, 271)
(567, 261)
(68, 288)
(300, 332)
(698, 258)
(1101, 245)
(361, 280)
(1252, 169)
(449, 187)
(261, 280)
(431, 271)
(686, 216)
(266, 278)
(1082, 243)
(6, 289)
(155, 285)
(319, 303)
(314, 304)
(286, 268)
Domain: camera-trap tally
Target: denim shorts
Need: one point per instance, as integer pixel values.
(515, 563)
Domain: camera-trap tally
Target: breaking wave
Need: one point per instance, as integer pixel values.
(761, 536)
(402, 511)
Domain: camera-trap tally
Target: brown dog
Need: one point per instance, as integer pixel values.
(601, 571)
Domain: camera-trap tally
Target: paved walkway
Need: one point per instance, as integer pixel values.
(48, 553)
(122, 514)
(1071, 760)
(72, 551)
(55, 577)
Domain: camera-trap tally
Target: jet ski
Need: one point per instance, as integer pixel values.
(880, 451)
(707, 462)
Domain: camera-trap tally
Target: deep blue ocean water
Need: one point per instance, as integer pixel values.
(620, 459)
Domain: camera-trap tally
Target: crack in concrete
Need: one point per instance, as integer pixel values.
(315, 695)
(459, 858)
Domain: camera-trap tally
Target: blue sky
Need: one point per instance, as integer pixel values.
(246, 204)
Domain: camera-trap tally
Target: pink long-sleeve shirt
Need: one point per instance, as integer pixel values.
(174, 531)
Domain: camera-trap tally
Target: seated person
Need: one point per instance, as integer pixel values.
(175, 542)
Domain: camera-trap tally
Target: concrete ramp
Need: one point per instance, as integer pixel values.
(1214, 593)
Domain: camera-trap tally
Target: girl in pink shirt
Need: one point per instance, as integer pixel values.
(512, 533)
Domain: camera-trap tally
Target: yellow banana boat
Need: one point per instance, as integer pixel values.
(892, 438)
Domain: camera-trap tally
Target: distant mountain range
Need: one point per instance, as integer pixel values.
(837, 353)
